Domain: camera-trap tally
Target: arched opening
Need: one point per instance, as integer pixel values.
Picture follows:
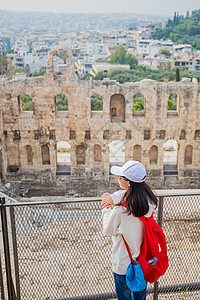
(61, 102)
(80, 154)
(45, 155)
(170, 158)
(116, 153)
(172, 104)
(96, 102)
(26, 102)
(29, 154)
(117, 108)
(197, 135)
(137, 152)
(97, 153)
(63, 158)
(188, 155)
(138, 104)
(153, 155)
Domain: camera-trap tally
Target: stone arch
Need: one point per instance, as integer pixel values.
(63, 158)
(188, 155)
(116, 153)
(97, 153)
(45, 155)
(80, 154)
(172, 104)
(138, 104)
(137, 153)
(61, 102)
(153, 155)
(29, 153)
(170, 160)
(182, 135)
(96, 102)
(117, 108)
(70, 71)
(197, 135)
(25, 102)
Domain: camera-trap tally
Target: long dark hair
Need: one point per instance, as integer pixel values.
(137, 198)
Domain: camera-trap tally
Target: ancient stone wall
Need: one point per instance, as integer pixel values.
(29, 138)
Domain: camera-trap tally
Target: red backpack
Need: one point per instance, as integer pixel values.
(154, 245)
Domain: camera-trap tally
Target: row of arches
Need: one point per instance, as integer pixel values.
(117, 103)
(116, 155)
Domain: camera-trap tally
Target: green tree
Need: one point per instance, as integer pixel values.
(3, 64)
(61, 102)
(165, 52)
(119, 56)
(131, 60)
(138, 102)
(27, 69)
(172, 102)
(26, 101)
(41, 72)
(177, 74)
(96, 102)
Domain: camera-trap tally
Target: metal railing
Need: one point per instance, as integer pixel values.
(56, 250)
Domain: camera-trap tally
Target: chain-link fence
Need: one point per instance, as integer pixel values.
(60, 252)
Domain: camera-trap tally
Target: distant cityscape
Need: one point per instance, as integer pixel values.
(26, 39)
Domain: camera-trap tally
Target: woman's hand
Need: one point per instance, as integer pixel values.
(107, 201)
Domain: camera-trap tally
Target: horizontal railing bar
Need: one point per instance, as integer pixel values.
(177, 288)
(96, 297)
(84, 199)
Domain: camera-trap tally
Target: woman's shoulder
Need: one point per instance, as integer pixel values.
(116, 196)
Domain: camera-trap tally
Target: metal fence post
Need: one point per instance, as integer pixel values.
(160, 216)
(13, 228)
(10, 286)
(1, 281)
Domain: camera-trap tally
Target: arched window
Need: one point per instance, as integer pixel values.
(197, 135)
(170, 157)
(153, 155)
(80, 155)
(63, 158)
(29, 153)
(172, 104)
(188, 155)
(61, 102)
(117, 108)
(137, 152)
(116, 153)
(97, 153)
(26, 102)
(138, 103)
(45, 155)
(96, 102)
(182, 135)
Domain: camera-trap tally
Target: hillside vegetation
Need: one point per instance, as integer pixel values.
(182, 30)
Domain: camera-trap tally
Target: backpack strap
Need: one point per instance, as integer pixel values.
(128, 250)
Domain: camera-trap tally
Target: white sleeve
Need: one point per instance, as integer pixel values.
(117, 196)
(111, 221)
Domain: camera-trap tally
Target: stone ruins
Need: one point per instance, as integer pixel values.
(78, 145)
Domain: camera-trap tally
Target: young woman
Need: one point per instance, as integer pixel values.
(121, 212)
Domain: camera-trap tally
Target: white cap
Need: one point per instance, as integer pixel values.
(132, 170)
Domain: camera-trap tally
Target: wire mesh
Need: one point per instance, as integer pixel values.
(62, 251)
(181, 216)
(63, 254)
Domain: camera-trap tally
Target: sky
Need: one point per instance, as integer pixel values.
(161, 7)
